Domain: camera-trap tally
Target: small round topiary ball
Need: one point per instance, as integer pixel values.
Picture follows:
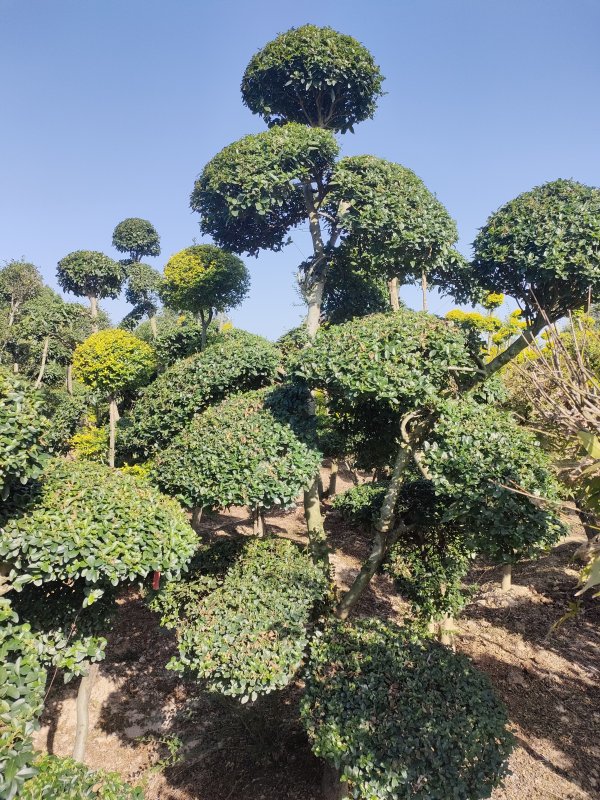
(112, 361)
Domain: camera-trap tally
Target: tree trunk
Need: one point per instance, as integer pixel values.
(153, 326)
(394, 299)
(94, 312)
(40, 376)
(113, 416)
(506, 577)
(589, 521)
(83, 716)
(331, 785)
(314, 524)
(70, 378)
(333, 473)
(424, 289)
(258, 527)
(16, 367)
(447, 626)
(196, 518)
(205, 322)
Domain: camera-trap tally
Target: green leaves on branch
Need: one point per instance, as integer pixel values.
(237, 362)
(21, 425)
(113, 361)
(542, 248)
(88, 273)
(138, 237)
(314, 76)
(22, 683)
(248, 636)
(249, 194)
(86, 521)
(403, 719)
(65, 779)
(242, 452)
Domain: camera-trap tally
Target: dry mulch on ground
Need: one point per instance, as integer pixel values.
(182, 744)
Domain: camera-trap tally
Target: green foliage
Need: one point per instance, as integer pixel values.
(405, 360)
(22, 682)
(19, 282)
(113, 361)
(138, 237)
(88, 273)
(403, 718)
(21, 426)
(237, 453)
(66, 414)
(394, 226)
(313, 76)
(91, 442)
(351, 291)
(248, 636)
(238, 362)
(249, 194)
(143, 287)
(360, 504)
(65, 779)
(178, 336)
(203, 279)
(291, 343)
(86, 521)
(475, 456)
(542, 247)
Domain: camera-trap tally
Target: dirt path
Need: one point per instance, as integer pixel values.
(182, 744)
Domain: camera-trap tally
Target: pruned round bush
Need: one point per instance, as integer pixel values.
(313, 76)
(405, 360)
(84, 521)
(249, 194)
(113, 361)
(22, 683)
(237, 362)
(65, 779)
(249, 635)
(403, 719)
(89, 273)
(21, 426)
(238, 453)
(136, 236)
(542, 248)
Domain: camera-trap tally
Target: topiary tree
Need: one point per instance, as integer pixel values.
(111, 362)
(417, 733)
(88, 273)
(137, 237)
(143, 292)
(314, 76)
(20, 281)
(204, 280)
(238, 453)
(240, 361)
(68, 541)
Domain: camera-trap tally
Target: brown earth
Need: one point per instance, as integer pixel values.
(182, 744)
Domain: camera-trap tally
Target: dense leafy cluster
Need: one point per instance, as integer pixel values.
(65, 779)
(86, 521)
(239, 361)
(204, 278)
(138, 237)
(248, 636)
(393, 225)
(21, 425)
(360, 504)
(66, 414)
(313, 76)
(403, 718)
(143, 285)
(249, 194)
(237, 453)
(112, 361)
(352, 291)
(88, 273)
(22, 682)
(542, 248)
(406, 360)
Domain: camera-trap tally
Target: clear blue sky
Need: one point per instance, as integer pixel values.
(110, 108)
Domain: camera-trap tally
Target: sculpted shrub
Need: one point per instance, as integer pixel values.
(403, 719)
(249, 635)
(238, 362)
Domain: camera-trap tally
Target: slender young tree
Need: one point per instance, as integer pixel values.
(143, 292)
(88, 273)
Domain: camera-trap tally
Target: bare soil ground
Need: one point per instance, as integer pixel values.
(182, 744)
